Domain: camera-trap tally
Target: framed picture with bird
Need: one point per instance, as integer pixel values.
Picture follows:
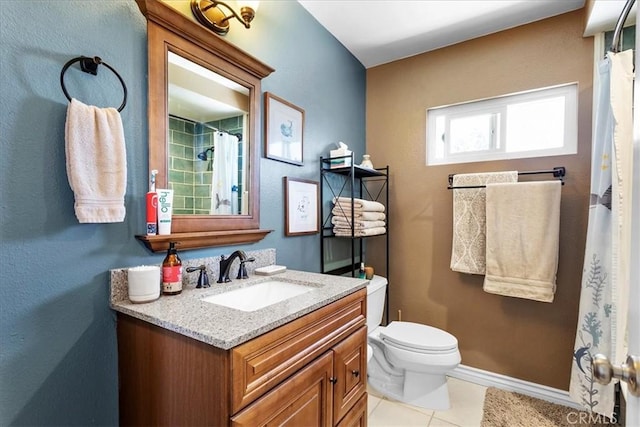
(283, 130)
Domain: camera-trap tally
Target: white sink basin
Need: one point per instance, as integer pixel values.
(258, 296)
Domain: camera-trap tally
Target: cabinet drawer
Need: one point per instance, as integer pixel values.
(262, 363)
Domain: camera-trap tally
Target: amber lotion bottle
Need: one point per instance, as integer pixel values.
(172, 272)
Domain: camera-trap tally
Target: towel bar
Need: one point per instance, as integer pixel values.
(558, 172)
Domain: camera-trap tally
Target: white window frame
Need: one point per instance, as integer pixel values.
(498, 107)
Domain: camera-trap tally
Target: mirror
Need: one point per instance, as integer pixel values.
(207, 156)
(203, 101)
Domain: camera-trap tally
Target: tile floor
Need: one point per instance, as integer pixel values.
(467, 400)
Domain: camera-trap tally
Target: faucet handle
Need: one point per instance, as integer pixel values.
(242, 270)
(203, 279)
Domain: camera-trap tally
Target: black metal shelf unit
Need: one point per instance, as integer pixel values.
(354, 182)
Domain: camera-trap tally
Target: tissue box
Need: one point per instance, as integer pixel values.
(340, 162)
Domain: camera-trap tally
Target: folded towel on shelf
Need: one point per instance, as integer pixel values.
(342, 222)
(346, 232)
(358, 213)
(468, 246)
(365, 205)
(96, 162)
(523, 227)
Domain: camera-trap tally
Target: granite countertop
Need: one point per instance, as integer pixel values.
(225, 327)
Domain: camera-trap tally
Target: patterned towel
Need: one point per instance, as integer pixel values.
(468, 248)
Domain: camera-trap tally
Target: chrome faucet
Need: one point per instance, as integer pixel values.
(225, 266)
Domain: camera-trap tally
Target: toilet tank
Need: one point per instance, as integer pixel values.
(376, 292)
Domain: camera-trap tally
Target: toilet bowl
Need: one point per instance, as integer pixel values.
(410, 360)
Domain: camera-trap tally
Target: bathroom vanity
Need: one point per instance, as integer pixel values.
(302, 361)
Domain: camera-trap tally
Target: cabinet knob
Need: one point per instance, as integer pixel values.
(355, 373)
(333, 380)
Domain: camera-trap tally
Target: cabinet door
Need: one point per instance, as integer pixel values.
(350, 372)
(357, 416)
(305, 399)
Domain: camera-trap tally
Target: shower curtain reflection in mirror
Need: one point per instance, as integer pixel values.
(224, 184)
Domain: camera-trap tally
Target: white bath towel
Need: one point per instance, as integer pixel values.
(365, 205)
(358, 213)
(468, 246)
(523, 228)
(346, 232)
(96, 162)
(342, 222)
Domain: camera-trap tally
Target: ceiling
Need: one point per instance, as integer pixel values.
(381, 31)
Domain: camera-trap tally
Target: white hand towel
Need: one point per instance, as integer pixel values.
(468, 247)
(365, 205)
(523, 229)
(96, 162)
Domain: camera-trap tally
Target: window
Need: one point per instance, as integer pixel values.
(537, 123)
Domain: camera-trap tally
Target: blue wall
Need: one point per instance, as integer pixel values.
(58, 362)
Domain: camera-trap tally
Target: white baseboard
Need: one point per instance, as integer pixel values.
(491, 379)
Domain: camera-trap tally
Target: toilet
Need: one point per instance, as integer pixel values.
(410, 360)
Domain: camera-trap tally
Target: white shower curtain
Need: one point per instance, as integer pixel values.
(224, 185)
(605, 280)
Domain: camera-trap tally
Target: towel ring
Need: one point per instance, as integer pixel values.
(90, 65)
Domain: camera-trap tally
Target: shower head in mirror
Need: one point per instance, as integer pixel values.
(203, 155)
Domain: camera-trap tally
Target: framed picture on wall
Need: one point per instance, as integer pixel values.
(301, 207)
(284, 130)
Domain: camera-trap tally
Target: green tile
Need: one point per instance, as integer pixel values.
(183, 164)
(176, 124)
(178, 202)
(181, 138)
(188, 203)
(182, 190)
(176, 150)
(176, 177)
(201, 190)
(188, 177)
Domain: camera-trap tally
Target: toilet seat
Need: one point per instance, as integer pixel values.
(418, 338)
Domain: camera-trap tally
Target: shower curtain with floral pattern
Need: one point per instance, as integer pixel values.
(605, 282)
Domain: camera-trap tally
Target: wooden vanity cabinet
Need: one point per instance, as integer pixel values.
(310, 371)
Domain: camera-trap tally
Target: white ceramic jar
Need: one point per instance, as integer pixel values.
(143, 283)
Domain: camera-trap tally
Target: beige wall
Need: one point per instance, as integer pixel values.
(520, 338)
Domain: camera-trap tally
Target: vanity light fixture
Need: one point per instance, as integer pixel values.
(210, 14)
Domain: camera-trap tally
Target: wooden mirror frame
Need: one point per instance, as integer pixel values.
(168, 29)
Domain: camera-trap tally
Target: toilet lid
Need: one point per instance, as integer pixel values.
(419, 337)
